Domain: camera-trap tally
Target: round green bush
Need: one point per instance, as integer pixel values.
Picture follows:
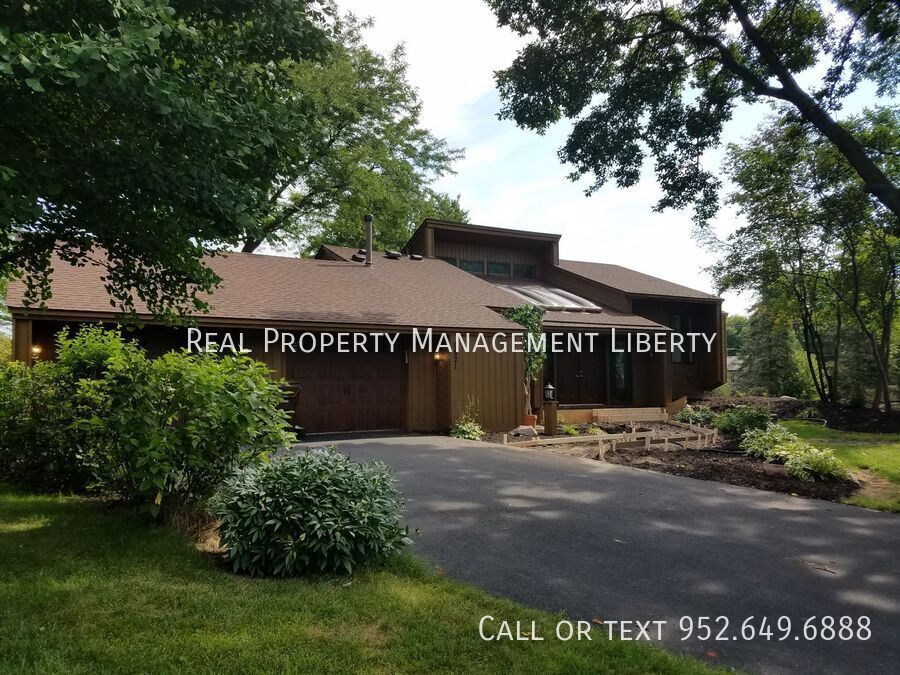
(769, 443)
(741, 419)
(314, 512)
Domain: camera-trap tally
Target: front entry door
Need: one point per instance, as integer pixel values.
(580, 378)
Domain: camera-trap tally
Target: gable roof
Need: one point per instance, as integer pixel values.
(392, 293)
(631, 281)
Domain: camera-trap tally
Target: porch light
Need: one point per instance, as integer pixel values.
(549, 392)
(439, 356)
(36, 350)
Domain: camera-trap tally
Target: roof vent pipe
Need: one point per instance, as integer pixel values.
(367, 219)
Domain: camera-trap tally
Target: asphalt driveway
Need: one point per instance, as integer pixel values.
(610, 542)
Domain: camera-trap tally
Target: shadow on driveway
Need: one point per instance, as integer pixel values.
(611, 542)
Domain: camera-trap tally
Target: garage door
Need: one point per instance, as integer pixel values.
(348, 392)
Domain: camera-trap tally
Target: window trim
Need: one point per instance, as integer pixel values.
(527, 266)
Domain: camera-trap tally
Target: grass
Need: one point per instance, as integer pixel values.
(85, 588)
(877, 454)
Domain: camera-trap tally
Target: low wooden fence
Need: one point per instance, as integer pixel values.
(636, 439)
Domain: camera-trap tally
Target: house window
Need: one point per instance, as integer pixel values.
(524, 271)
(681, 323)
(620, 373)
(498, 269)
(472, 266)
(448, 259)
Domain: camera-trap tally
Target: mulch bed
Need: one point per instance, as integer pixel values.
(734, 469)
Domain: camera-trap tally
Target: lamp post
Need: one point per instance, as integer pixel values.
(550, 410)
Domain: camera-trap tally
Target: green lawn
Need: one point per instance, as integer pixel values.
(86, 589)
(861, 452)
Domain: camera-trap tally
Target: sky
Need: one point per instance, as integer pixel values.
(512, 177)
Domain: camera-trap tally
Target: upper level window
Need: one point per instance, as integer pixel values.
(524, 271)
(681, 323)
(472, 266)
(448, 259)
(498, 269)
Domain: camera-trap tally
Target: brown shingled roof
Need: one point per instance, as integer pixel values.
(631, 281)
(392, 293)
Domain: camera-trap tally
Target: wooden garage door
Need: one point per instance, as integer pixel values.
(348, 392)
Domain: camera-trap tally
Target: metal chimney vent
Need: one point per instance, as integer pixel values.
(367, 219)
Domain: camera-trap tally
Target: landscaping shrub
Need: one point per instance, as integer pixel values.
(467, 425)
(315, 512)
(163, 433)
(738, 421)
(568, 429)
(813, 464)
(41, 447)
(766, 443)
(701, 415)
(180, 424)
(594, 430)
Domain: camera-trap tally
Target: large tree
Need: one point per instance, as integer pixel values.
(663, 76)
(148, 129)
(367, 153)
(814, 239)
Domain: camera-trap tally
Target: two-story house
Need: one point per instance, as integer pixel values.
(450, 277)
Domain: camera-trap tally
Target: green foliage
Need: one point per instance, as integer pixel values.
(568, 429)
(594, 430)
(163, 433)
(151, 130)
(467, 425)
(529, 317)
(5, 348)
(741, 419)
(40, 445)
(771, 357)
(812, 464)
(662, 79)
(735, 325)
(314, 512)
(819, 251)
(701, 415)
(367, 153)
(773, 444)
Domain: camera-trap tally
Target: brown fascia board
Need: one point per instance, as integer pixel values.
(478, 229)
(225, 322)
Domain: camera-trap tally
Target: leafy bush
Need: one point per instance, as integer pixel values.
(315, 512)
(467, 425)
(701, 415)
(594, 430)
(41, 446)
(809, 413)
(741, 419)
(813, 464)
(765, 443)
(5, 348)
(163, 432)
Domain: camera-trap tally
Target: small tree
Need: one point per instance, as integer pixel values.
(529, 317)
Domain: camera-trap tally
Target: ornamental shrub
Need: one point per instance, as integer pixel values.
(701, 415)
(313, 512)
(178, 425)
(41, 446)
(814, 464)
(765, 443)
(741, 419)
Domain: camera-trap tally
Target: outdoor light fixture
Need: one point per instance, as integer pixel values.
(439, 356)
(549, 392)
(36, 350)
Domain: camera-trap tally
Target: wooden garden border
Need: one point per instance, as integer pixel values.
(627, 440)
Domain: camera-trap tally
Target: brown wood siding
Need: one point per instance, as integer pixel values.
(493, 382)
(690, 379)
(21, 338)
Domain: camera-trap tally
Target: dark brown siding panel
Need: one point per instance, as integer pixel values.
(588, 289)
(421, 399)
